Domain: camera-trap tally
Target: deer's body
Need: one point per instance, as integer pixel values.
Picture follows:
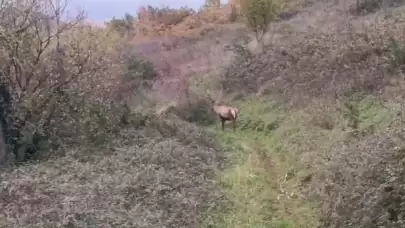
(226, 113)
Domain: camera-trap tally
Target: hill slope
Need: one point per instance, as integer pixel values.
(336, 70)
(319, 140)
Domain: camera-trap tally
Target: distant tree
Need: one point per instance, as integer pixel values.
(258, 14)
(212, 3)
(124, 25)
(164, 15)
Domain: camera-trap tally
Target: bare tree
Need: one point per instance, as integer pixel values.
(29, 31)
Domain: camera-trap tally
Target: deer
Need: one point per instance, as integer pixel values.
(224, 112)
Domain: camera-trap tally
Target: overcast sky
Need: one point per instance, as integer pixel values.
(101, 10)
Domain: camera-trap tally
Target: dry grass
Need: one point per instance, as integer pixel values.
(147, 180)
(341, 157)
(354, 174)
(193, 25)
(178, 59)
(305, 63)
(261, 183)
(344, 148)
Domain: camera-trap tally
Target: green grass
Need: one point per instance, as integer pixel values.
(254, 180)
(269, 156)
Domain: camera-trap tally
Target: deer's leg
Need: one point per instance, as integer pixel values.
(223, 124)
(234, 125)
(220, 119)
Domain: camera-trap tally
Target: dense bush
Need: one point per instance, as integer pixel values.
(368, 191)
(363, 7)
(356, 165)
(197, 110)
(258, 14)
(62, 78)
(151, 171)
(212, 4)
(166, 16)
(124, 26)
(305, 69)
(159, 176)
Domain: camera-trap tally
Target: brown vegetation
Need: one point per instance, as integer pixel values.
(79, 154)
(332, 65)
(52, 70)
(71, 94)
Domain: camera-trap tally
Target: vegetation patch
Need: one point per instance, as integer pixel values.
(101, 126)
(160, 181)
(261, 184)
(282, 177)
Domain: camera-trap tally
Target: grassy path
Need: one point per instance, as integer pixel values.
(261, 181)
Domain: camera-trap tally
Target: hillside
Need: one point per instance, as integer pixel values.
(133, 141)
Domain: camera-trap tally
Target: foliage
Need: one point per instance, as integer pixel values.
(31, 67)
(361, 175)
(363, 7)
(397, 54)
(162, 22)
(351, 110)
(124, 26)
(238, 76)
(138, 74)
(164, 15)
(197, 110)
(344, 130)
(258, 14)
(212, 4)
(161, 168)
(85, 76)
(260, 180)
(62, 76)
(366, 6)
(234, 14)
(163, 176)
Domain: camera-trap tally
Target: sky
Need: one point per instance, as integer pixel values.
(102, 10)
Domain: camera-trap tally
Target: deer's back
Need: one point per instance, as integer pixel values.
(223, 111)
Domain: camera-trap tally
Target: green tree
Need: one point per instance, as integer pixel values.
(123, 25)
(212, 3)
(258, 14)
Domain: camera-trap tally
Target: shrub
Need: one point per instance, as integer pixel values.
(34, 72)
(396, 57)
(138, 73)
(212, 4)
(160, 180)
(258, 14)
(351, 110)
(124, 26)
(61, 82)
(362, 7)
(368, 191)
(233, 15)
(196, 110)
(240, 75)
(165, 15)
(366, 6)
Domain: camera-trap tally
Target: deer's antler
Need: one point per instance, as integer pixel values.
(220, 95)
(208, 95)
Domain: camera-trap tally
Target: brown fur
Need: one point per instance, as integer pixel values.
(225, 113)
